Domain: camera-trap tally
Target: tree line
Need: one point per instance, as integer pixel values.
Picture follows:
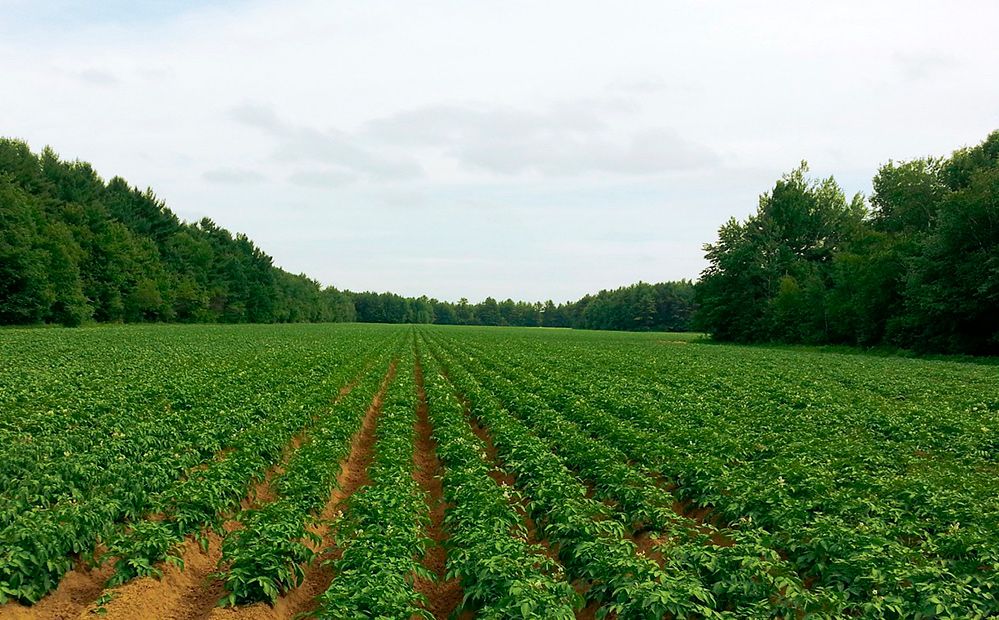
(917, 267)
(667, 306)
(74, 249)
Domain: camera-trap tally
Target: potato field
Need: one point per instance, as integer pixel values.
(370, 471)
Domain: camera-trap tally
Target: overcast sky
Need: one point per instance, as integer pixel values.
(531, 150)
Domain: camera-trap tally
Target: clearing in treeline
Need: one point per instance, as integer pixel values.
(351, 471)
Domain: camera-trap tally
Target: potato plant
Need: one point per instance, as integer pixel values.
(869, 475)
(591, 543)
(117, 425)
(643, 475)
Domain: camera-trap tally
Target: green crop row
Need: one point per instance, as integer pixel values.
(178, 452)
(266, 557)
(142, 410)
(872, 476)
(204, 499)
(664, 478)
(746, 576)
(501, 574)
(382, 535)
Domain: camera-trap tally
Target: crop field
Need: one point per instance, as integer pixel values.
(366, 471)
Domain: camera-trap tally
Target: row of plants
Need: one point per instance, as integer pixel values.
(895, 527)
(86, 418)
(381, 537)
(592, 545)
(868, 473)
(142, 414)
(745, 574)
(202, 501)
(266, 556)
(502, 575)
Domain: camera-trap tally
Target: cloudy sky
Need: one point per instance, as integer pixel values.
(517, 149)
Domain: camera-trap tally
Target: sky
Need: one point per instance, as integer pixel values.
(532, 150)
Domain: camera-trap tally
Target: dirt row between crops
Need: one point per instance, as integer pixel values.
(178, 594)
(704, 517)
(504, 478)
(443, 595)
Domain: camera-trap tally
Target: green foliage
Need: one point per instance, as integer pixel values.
(382, 534)
(667, 306)
(502, 575)
(869, 479)
(767, 277)
(177, 423)
(920, 271)
(589, 541)
(601, 449)
(771, 483)
(73, 248)
(266, 557)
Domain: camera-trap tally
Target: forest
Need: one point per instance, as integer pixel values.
(75, 249)
(666, 306)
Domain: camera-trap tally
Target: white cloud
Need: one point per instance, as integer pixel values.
(233, 176)
(920, 65)
(566, 139)
(296, 143)
(98, 77)
(648, 152)
(320, 178)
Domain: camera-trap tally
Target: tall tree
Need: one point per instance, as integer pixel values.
(767, 277)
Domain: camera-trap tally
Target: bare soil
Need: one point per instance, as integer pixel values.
(77, 588)
(177, 595)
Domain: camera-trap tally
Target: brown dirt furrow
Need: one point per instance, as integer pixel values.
(177, 595)
(78, 587)
(318, 576)
(443, 595)
(506, 479)
(589, 612)
(706, 521)
(263, 492)
(592, 608)
(501, 476)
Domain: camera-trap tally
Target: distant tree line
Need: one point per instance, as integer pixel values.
(75, 249)
(667, 306)
(918, 268)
